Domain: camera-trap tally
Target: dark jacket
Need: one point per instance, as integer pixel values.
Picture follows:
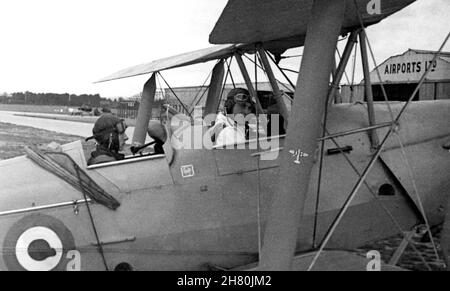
(103, 155)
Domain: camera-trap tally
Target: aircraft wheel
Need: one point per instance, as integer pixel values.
(123, 267)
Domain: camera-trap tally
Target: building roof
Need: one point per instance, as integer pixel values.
(265, 86)
(443, 74)
(447, 59)
(189, 94)
(262, 86)
(428, 52)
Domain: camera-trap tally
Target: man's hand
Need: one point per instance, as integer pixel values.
(135, 147)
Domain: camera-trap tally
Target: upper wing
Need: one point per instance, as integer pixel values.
(281, 24)
(278, 24)
(190, 58)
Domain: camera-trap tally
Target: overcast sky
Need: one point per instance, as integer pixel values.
(64, 46)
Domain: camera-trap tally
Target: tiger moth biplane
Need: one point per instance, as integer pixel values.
(228, 209)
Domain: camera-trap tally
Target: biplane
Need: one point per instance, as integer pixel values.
(343, 174)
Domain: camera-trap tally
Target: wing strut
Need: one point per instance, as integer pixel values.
(340, 71)
(215, 88)
(273, 82)
(145, 111)
(368, 168)
(368, 88)
(304, 129)
(248, 81)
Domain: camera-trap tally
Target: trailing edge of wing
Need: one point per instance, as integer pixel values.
(190, 58)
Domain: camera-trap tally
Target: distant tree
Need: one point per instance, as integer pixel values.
(65, 99)
(18, 98)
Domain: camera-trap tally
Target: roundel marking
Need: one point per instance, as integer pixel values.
(39, 249)
(37, 242)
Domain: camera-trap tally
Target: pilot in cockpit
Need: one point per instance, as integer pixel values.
(109, 133)
(234, 130)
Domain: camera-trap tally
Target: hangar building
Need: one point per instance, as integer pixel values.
(401, 74)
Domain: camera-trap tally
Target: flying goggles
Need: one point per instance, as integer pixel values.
(242, 98)
(120, 128)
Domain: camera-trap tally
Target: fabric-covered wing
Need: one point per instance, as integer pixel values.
(190, 58)
(281, 24)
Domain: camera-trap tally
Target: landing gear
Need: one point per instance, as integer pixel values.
(124, 267)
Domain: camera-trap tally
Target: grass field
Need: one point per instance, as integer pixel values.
(62, 110)
(32, 108)
(13, 139)
(410, 260)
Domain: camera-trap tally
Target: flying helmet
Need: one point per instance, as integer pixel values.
(107, 129)
(239, 96)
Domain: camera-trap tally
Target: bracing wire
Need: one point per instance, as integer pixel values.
(166, 97)
(352, 85)
(94, 228)
(225, 83)
(319, 182)
(173, 92)
(290, 57)
(380, 203)
(199, 99)
(253, 61)
(231, 75)
(194, 100)
(289, 70)
(386, 99)
(377, 69)
(258, 172)
(345, 71)
(160, 86)
(375, 156)
(416, 192)
(281, 71)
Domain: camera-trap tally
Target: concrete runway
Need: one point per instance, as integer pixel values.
(63, 126)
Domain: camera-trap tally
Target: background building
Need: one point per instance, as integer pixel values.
(401, 74)
(185, 99)
(196, 96)
(128, 108)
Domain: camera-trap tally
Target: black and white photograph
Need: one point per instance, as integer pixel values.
(225, 137)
